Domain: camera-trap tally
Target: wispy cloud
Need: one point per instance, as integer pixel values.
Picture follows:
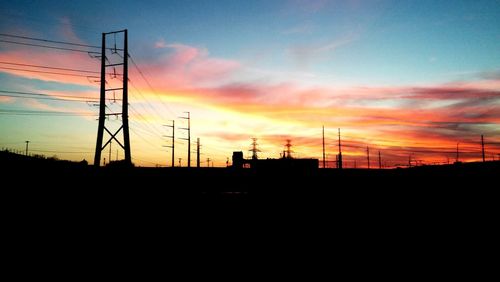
(304, 28)
(160, 44)
(305, 55)
(6, 100)
(490, 75)
(307, 6)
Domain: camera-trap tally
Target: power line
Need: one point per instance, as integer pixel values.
(144, 139)
(41, 113)
(49, 72)
(52, 68)
(57, 42)
(61, 152)
(145, 120)
(49, 41)
(46, 98)
(44, 46)
(144, 98)
(58, 68)
(150, 86)
(50, 95)
(143, 130)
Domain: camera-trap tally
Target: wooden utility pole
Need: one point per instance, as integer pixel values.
(324, 161)
(173, 140)
(368, 156)
(379, 161)
(482, 147)
(188, 128)
(197, 152)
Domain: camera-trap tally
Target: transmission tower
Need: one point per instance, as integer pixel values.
(288, 146)
(106, 63)
(254, 149)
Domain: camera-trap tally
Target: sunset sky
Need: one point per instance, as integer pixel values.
(411, 79)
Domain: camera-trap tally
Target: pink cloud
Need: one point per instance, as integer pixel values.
(184, 66)
(18, 54)
(52, 59)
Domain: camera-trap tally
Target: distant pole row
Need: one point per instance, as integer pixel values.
(338, 159)
(188, 139)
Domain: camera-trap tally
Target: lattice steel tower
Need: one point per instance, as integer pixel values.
(105, 64)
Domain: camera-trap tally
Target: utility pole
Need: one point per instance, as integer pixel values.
(189, 136)
(324, 163)
(339, 161)
(379, 160)
(482, 147)
(27, 142)
(106, 62)
(173, 140)
(109, 157)
(198, 152)
(208, 162)
(368, 156)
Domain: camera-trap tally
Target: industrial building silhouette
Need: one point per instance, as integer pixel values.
(283, 163)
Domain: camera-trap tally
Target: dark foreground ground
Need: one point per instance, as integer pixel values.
(41, 181)
(433, 215)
